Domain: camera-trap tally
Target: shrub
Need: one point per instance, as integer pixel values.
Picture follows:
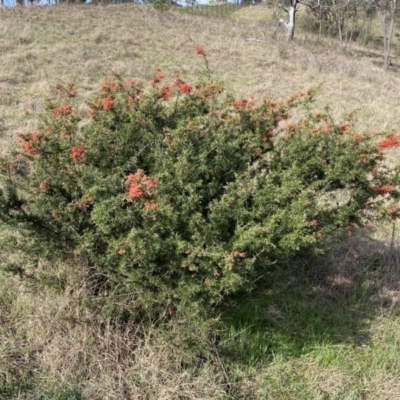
(182, 196)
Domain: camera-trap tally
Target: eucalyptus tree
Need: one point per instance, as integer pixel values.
(291, 23)
(387, 10)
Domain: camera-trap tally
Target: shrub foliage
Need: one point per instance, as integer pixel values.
(181, 195)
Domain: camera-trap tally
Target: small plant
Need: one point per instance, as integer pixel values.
(180, 196)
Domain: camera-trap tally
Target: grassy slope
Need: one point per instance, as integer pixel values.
(333, 333)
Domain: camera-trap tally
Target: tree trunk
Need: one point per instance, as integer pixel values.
(384, 7)
(386, 61)
(291, 25)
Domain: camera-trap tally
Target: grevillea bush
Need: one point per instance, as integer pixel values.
(181, 196)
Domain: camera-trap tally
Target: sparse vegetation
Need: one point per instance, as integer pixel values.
(314, 328)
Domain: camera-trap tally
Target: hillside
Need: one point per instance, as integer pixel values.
(331, 332)
(44, 46)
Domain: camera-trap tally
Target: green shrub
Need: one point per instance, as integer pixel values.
(180, 196)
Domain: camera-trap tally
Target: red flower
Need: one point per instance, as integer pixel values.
(91, 112)
(121, 252)
(138, 185)
(28, 143)
(27, 147)
(110, 85)
(200, 51)
(184, 88)
(150, 206)
(44, 186)
(76, 153)
(238, 254)
(165, 92)
(344, 129)
(62, 110)
(107, 103)
(394, 141)
(85, 203)
(134, 191)
(384, 189)
(157, 78)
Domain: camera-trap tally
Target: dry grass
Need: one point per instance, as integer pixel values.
(44, 46)
(52, 341)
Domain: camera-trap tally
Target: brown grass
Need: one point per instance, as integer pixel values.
(44, 46)
(53, 341)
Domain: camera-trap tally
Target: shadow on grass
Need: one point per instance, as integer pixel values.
(300, 308)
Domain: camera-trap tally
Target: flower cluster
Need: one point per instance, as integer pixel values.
(110, 85)
(200, 51)
(138, 185)
(85, 203)
(393, 141)
(30, 142)
(77, 153)
(63, 110)
(384, 189)
(235, 254)
(44, 186)
(107, 103)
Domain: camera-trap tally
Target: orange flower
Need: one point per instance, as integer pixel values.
(200, 51)
(184, 88)
(76, 153)
(384, 189)
(165, 92)
(394, 141)
(27, 147)
(138, 185)
(150, 206)
(238, 254)
(28, 143)
(344, 129)
(44, 186)
(62, 110)
(109, 86)
(121, 252)
(85, 203)
(107, 103)
(135, 191)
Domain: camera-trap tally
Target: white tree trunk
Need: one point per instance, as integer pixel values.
(386, 62)
(386, 7)
(291, 24)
